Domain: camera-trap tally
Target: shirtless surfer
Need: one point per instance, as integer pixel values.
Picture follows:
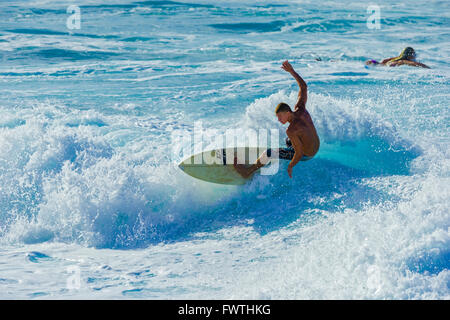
(302, 142)
(406, 57)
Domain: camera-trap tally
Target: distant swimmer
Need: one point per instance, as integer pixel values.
(302, 142)
(406, 57)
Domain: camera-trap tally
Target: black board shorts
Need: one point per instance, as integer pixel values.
(287, 154)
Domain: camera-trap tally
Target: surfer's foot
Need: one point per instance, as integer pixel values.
(244, 170)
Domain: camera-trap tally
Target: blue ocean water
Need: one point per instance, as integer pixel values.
(92, 204)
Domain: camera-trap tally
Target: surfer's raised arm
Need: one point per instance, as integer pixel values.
(303, 93)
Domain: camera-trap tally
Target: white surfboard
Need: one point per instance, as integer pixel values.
(217, 165)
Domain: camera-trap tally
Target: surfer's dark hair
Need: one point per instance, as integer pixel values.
(282, 107)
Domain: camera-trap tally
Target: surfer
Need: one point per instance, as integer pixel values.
(302, 142)
(406, 57)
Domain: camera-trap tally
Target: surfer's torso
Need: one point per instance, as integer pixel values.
(303, 126)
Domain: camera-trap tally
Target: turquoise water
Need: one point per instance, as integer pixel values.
(93, 204)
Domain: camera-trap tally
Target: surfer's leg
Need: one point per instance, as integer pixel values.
(247, 171)
(275, 153)
(263, 159)
(271, 153)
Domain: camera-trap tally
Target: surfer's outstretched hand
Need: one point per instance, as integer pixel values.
(287, 67)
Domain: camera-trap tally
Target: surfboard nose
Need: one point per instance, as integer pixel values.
(181, 166)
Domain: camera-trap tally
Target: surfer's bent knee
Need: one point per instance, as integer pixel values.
(266, 156)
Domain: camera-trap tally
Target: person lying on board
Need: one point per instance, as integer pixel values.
(302, 142)
(406, 57)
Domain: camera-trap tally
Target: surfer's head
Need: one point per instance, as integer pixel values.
(407, 54)
(283, 111)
